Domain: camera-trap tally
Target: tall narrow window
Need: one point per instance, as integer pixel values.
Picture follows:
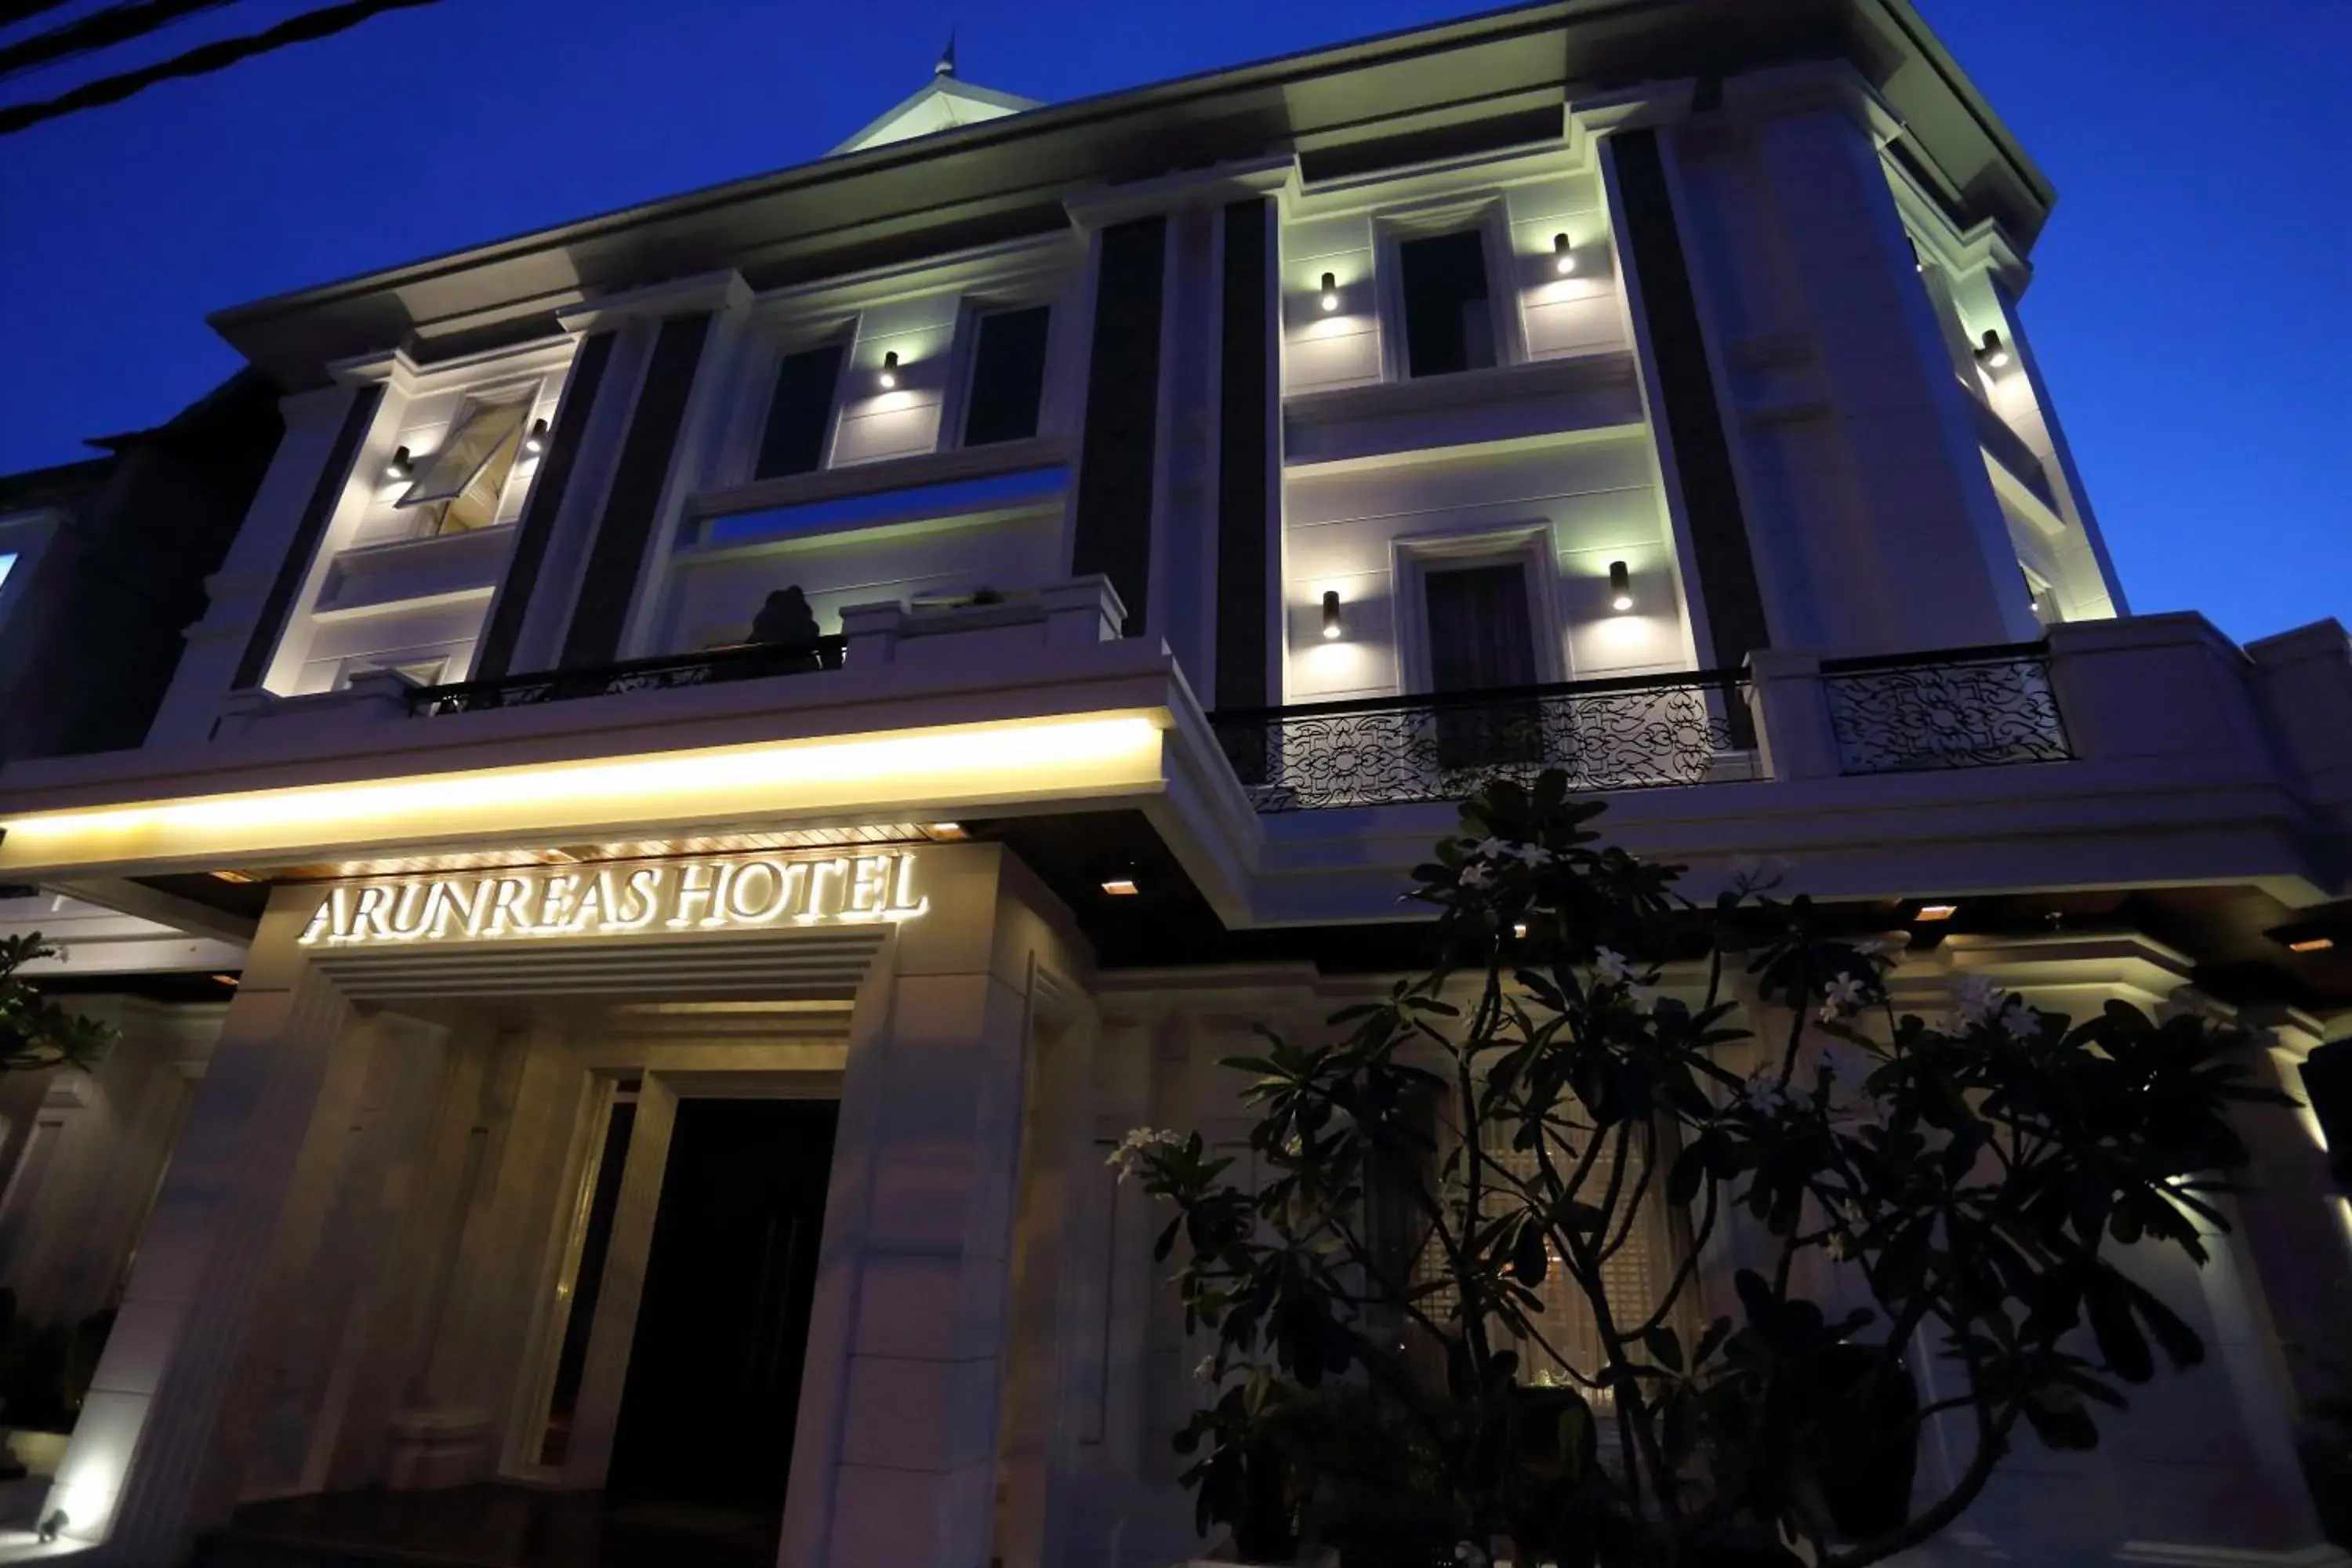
(462, 483)
(1008, 377)
(1480, 638)
(799, 412)
(1449, 321)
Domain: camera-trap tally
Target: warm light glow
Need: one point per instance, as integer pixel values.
(1331, 627)
(1621, 587)
(1563, 255)
(2312, 944)
(1937, 911)
(1025, 759)
(948, 830)
(227, 979)
(1121, 887)
(1331, 300)
(888, 379)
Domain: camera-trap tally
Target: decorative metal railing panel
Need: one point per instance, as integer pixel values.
(1966, 708)
(749, 661)
(1642, 733)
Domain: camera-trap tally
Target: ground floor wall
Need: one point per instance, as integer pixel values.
(375, 1235)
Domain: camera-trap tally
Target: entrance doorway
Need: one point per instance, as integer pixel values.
(714, 1372)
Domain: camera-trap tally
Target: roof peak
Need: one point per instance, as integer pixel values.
(942, 103)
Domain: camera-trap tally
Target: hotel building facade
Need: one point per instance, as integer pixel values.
(749, 740)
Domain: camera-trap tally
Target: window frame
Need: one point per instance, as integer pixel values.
(1485, 214)
(1529, 546)
(768, 367)
(973, 308)
(526, 393)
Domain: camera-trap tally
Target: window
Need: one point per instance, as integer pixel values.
(463, 482)
(1449, 321)
(1008, 377)
(799, 412)
(1480, 638)
(7, 565)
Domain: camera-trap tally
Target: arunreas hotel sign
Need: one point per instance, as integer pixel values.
(601, 900)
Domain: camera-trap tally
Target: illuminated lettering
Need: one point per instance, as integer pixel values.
(708, 895)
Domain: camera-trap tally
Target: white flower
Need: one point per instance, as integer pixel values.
(1473, 875)
(1492, 848)
(1643, 998)
(1137, 1140)
(1978, 998)
(2020, 1022)
(1840, 1244)
(1765, 1095)
(1610, 966)
(1533, 853)
(1207, 1371)
(1841, 996)
(1881, 946)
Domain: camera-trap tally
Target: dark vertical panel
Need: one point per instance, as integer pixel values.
(618, 552)
(307, 534)
(496, 652)
(799, 412)
(1242, 462)
(1114, 505)
(1727, 568)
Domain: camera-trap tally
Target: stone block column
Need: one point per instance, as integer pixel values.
(895, 1455)
(142, 1472)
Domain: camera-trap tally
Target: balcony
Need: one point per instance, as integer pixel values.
(742, 661)
(1965, 708)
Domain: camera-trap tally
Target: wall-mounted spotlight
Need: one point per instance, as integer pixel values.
(1331, 627)
(1563, 255)
(1936, 912)
(401, 470)
(1992, 354)
(535, 442)
(1621, 586)
(888, 379)
(1331, 300)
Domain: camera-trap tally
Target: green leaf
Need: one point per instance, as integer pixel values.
(1663, 1348)
(1530, 1260)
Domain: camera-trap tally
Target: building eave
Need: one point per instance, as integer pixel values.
(990, 179)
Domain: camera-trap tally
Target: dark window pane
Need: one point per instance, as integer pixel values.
(799, 413)
(1008, 375)
(1480, 638)
(1447, 324)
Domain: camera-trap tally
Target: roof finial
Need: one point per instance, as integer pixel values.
(946, 58)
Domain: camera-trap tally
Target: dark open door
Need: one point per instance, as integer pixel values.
(715, 1368)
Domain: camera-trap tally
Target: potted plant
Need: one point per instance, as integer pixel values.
(1461, 1157)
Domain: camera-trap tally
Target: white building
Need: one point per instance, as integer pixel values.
(1174, 479)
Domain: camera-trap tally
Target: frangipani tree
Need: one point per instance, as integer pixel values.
(1886, 1193)
(35, 1034)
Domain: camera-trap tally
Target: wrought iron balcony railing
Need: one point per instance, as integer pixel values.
(1641, 732)
(1957, 708)
(744, 662)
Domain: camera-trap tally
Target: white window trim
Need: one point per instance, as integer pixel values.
(737, 455)
(1488, 213)
(1529, 546)
(27, 536)
(963, 357)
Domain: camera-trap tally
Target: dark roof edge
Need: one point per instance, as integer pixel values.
(235, 323)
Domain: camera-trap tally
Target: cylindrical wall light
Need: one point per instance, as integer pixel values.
(400, 469)
(1621, 586)
(1331, 300)
(890, 376)
(1563, 255)
(1992, 354)
(1331, 627)
(535, 442)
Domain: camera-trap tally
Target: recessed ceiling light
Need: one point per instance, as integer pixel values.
(948, 830)
(233, 877)
(1120, 887)
(1937, 911)
(228, 980)
(2311, 944)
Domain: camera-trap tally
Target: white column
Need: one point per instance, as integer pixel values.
(894, 1454)
(136, 1473)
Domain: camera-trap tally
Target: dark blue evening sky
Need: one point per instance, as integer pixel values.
(2189, 308)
